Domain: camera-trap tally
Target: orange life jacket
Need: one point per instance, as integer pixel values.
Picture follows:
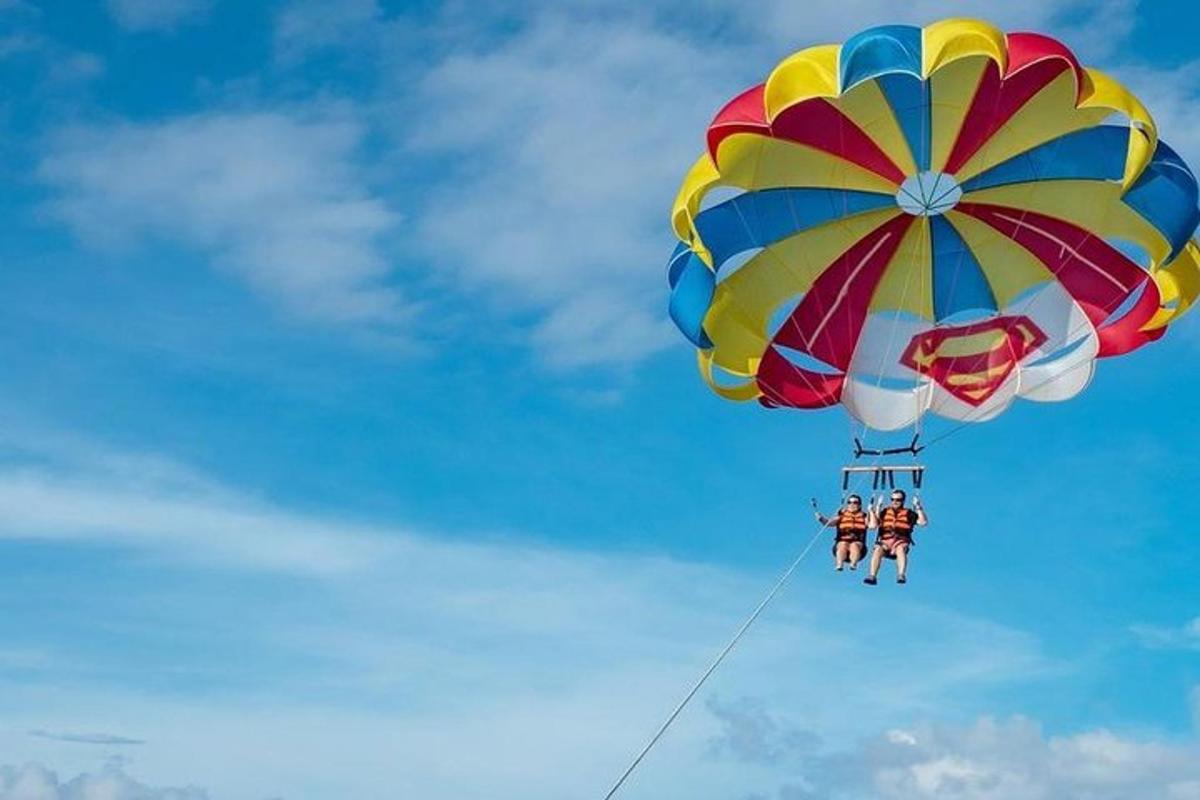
(896, 523)
(851, 526)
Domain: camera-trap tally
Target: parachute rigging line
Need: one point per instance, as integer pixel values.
(662, 729)
(725, 651)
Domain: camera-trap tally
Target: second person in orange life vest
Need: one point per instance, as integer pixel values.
(894, 539)
(850, 532)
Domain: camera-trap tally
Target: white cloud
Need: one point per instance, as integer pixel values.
(751, 733)
(69, 489)
(14, 44)
(156, 15)
(310, 26)
(239, 534)
(58, 66)
(1182, 637)
(75, 67)
(1173, 98)
(1092, 27)
(278, 199)
(989, 759)
(35, 782)
(1013, 759)
(563, 145)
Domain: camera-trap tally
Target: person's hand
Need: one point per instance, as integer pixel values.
(917, 503)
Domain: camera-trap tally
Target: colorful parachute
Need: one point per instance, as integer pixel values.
(938, 219)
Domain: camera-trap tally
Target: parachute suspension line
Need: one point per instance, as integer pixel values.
(882, 478)
(716, 662)
(786, 267)
(918, 411)
(783, 265)
(799, 373)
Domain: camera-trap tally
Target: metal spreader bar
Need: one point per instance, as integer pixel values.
(883, 476)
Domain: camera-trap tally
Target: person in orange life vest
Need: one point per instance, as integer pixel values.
(894, 539)
(850, 532)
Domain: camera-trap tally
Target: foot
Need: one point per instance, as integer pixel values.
(853, 566)
(838, 567)
(870, 580)
(901, 579)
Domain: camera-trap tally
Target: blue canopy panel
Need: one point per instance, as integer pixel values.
(677, 262)
(1090, 154)
(909, 98)
(958, 281)
(750, 221)
(692, 286)
(1166, 195)
(891, 55)
(880, 51)
(759, 219)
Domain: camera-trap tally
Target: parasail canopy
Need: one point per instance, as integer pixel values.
(940, 219)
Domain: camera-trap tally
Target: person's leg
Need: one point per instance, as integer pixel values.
(856, 554)
(876, 560)
(839, 555)
(901, 551)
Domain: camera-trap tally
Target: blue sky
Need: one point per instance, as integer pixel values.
(347, 450)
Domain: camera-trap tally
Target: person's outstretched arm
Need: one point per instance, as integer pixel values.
(922, 517)
(821, 518)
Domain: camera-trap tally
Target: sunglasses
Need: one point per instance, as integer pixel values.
(897, 499)
(854, 502)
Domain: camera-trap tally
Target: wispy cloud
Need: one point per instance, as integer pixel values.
(157, 15)
(59, 66)
(305, 27)
(1173, 97)
(279, 199)
(561, 146)
(87, 738)
(239, 534)
(751, 733)
(1093, 27)
(71, 489)
(1181, 637)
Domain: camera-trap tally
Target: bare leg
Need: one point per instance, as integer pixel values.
(856, 554)
(876, 560)
(901, 551)
(839, 555)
